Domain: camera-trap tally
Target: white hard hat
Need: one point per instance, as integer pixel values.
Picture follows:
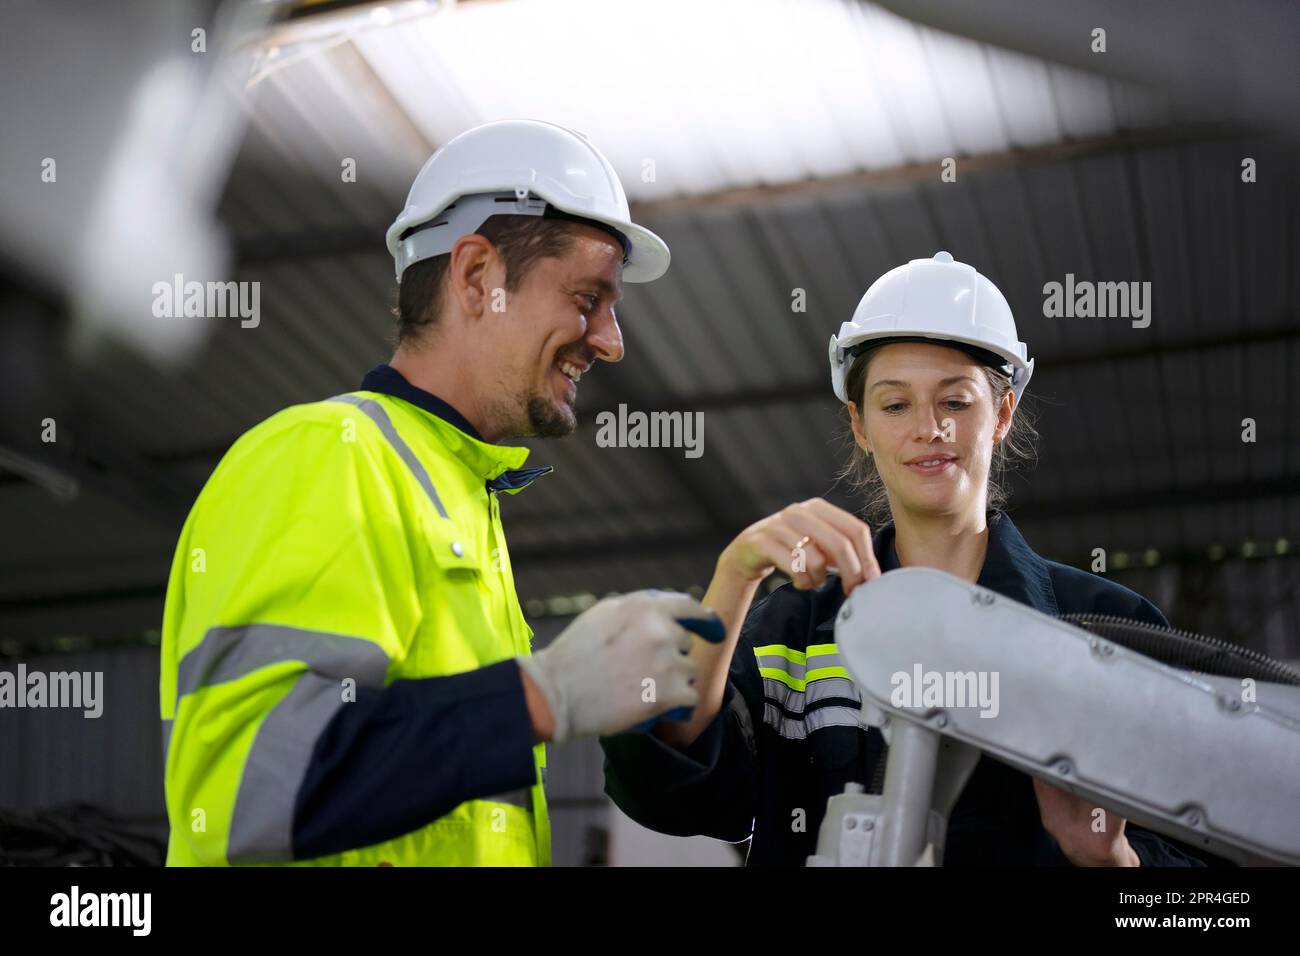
(935, 299)
(523, 168)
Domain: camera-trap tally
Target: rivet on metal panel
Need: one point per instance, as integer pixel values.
(1229, 703)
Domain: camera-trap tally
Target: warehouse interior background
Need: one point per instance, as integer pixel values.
(779, 148)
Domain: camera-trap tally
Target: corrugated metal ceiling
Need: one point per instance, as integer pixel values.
(1141, 427)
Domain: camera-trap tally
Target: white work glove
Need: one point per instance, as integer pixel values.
(622, 663)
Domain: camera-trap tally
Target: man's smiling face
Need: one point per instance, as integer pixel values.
(555, 326)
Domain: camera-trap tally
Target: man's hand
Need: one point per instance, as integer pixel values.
(1073, 822)
(618, 664)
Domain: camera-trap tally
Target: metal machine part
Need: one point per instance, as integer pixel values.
(1212, 759)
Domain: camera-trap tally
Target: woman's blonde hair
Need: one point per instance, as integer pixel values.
(1017, 447)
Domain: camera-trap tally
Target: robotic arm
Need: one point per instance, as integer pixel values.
(949, 670)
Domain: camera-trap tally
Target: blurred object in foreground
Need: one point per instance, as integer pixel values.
(121, 123)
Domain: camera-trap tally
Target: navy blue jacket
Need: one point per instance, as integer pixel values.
(741, 777)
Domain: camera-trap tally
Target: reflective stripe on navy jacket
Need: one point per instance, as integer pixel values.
(774, 755)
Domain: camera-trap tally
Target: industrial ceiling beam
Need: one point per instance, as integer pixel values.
(819, 390)
(260, 250)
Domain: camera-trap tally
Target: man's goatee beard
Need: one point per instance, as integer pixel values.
(547, 421)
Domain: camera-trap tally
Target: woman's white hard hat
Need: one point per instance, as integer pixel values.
(934, 299)
(518, 167)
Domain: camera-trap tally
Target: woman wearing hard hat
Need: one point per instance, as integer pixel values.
(931, 371)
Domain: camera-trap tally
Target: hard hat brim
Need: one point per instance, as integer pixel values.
(978, 351)
(960, 342)
(649, 257)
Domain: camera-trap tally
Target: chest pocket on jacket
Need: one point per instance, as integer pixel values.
(459, 626)
(452, 550)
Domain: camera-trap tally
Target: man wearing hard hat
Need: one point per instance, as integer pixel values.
(346, 670)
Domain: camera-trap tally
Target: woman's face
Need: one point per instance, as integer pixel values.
(925, 402)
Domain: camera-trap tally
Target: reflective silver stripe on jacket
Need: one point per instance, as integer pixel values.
(797, 701)
(380, 417)
(261, 830)
(797, 728)
(229, 653)
(794, 668)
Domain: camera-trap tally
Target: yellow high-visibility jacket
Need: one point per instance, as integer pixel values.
(341, 553)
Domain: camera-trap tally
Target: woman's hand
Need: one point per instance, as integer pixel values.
(806, 541)
(1070, 820)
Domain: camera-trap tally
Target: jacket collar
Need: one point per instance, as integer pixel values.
(497, 465)
(1014, 569)
(1011, 568)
